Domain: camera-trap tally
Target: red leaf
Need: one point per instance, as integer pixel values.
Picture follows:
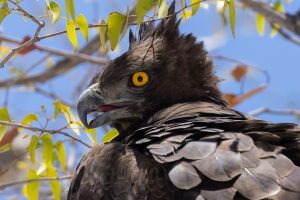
(239, 72)
(9, 136)
(28, 48)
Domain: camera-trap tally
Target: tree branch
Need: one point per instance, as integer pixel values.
(66, 54)
(40, 25)
(61, 67)
(3, 186)
(275, 111)
(274, 17)
(35, 129)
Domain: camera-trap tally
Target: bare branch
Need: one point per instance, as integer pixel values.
(66, 54)
(35, 129)
(61, 67)
(26, 44)
(275, 111)
(274, 17)
(40, 25)
(289, 37)
(3, 186)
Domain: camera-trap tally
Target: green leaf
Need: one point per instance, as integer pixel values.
(83, 25)
(30, 118)
(195, 6)
(260, 24)
(71, 32)
(32, 188)
(66, 111)
(278, 6)
(55, 184)
(142, 7)
(114, 24)
(110, 135)
(232, 16)
(55, 11)
(47, 152)
(163, 9)
(61, 152)
(70, 9)
(4, 11)
(4, 116)
(32, 148)
(102, 34)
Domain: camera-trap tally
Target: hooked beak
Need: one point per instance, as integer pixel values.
(91, 100)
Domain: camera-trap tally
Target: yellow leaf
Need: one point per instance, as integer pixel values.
(5, 148)
(225, 6)
(71, 32)
(60, 148)
(32, 188)
(142, 7)
(4, 50)
(126, 23)
(32, 148)
(278, 6)
(102, 34)
(163, 9)
(22, 165)
(232, 16)
(260, 24)
(195, 6)
(186, 15)
(70, 9)
(55, 11)
(55, 184)
(30, 118)
(83, 25)
(41, 169)
(47, 152)
(114, 24)
(4, 116)
(182, 5)
(66, 111)
(110, 135)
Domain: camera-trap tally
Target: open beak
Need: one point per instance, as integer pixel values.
(91, 101)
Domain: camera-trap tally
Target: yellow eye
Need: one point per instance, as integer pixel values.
(140, 79)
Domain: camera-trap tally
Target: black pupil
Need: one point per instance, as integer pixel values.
(140, 79)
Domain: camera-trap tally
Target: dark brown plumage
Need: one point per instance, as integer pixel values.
(178, 138)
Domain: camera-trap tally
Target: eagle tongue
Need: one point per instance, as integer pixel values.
(107, 108)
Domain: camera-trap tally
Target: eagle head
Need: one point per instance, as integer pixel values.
(162, 67)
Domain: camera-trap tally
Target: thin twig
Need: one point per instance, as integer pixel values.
(273, 16)
(59, 131)
(52, 96)
(26, 44)
(62, 53)
(40, 25)
(289, 37)
(274, 111)
(3, 186)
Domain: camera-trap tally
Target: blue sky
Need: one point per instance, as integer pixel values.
(277, 56)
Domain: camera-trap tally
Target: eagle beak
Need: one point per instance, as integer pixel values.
(88, 102)
(91, 100)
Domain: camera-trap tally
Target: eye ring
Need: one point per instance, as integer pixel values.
(140, 79)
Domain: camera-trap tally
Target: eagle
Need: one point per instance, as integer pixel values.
(178, 138)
